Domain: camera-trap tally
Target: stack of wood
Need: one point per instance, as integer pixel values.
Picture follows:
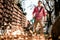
(10, 14)
(12, 19)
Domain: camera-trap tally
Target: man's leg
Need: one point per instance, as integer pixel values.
(35, 25)
(41, 27)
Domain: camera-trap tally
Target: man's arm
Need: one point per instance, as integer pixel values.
(44, 14)
(33, 14)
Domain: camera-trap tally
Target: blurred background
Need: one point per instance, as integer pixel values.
(16, 20)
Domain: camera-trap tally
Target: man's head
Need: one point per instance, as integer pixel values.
(39, 3)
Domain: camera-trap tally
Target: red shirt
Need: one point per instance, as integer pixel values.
(39, 15)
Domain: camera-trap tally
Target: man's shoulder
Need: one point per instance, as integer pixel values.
(37, 7)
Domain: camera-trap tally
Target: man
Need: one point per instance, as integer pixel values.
(38, 14)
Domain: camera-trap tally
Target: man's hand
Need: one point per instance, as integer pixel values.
(45, 19)
(33, 15)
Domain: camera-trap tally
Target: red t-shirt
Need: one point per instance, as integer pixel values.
(39, 15)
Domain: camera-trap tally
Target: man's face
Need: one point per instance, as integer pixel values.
(39, 3)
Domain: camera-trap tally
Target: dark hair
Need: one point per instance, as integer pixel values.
(39, 1)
